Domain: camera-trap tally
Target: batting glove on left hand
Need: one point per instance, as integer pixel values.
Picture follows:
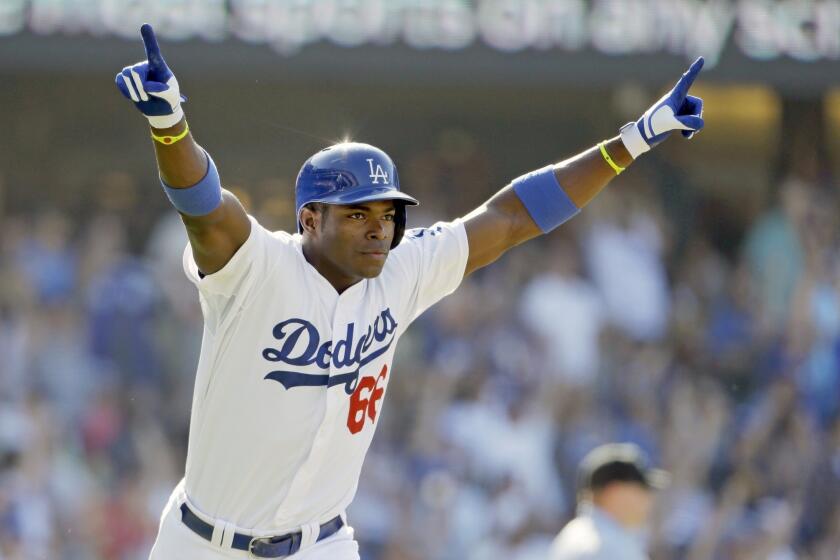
(152, 86)
(675, 111)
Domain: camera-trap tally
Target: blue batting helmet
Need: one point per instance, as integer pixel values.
(349, 173)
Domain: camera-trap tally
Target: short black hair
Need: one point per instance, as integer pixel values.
(619, 462)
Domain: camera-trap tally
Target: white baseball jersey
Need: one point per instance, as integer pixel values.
(292, 375)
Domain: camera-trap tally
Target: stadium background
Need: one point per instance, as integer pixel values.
(693, 308)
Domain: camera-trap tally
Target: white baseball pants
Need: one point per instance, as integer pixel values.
(175, 541)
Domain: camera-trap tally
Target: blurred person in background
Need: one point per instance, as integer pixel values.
(624, 250)
(615, 500)
(775, 255)
(571, 345)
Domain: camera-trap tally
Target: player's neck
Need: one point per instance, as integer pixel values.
(328, 270)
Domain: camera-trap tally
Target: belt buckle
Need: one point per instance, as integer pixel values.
(294, 545)
(251, 553)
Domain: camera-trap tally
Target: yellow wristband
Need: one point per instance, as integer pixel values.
(609, 160)
(169, 140)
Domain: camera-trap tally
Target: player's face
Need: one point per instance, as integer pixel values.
(629, 502)
(353, 241)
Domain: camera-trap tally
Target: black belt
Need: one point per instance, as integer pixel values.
(260, 547)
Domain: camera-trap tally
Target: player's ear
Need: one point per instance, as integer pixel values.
(310, 218)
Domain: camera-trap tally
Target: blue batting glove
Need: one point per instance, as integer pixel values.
(152, 86)
(675, 111)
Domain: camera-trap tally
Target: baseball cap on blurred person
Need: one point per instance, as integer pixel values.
(619, 462)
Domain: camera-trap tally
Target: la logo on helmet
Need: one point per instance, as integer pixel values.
(377, 173)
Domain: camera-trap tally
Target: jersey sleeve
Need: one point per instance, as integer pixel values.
(228, 289)
(431, 263)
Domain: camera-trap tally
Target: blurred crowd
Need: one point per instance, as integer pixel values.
(638, 321)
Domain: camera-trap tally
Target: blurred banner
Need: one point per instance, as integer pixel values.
(741, 32)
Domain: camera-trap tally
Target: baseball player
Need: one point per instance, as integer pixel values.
(300, 328)
(615, 497)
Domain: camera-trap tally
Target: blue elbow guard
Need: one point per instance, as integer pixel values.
(544, 198)
(201, 198)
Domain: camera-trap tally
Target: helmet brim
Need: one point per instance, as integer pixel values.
(367, 195)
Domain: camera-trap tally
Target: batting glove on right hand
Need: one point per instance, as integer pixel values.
(675, 111)
(152, 86)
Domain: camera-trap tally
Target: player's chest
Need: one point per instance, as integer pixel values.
(310, 339)
(342, 347)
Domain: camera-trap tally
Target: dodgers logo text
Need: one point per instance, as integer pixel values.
(300, 344)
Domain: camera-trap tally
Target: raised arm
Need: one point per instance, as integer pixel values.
(216, 223)
(538, 202)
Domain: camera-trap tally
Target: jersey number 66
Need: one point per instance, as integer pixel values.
(364, 399)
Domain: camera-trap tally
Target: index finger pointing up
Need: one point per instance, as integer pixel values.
(688, 78)
(152, 49)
